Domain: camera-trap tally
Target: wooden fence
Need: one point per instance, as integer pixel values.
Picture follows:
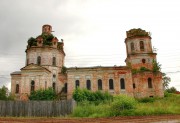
(36, 108)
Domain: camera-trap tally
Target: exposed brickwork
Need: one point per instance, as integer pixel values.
(44, 74)
(45, 59)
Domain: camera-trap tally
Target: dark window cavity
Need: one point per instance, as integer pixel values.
(54, 61)
(149, 83)
(111, 84)
(77, 83)
(38, 60)
(141, 45)
(99, 84)
(65, 88)
(88, 84)
(54, 86)
(134, 86)
(17, 88)
(143, 61)
(32, 85)
(122, 83)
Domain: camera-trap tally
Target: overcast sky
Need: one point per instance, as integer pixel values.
(93, 31)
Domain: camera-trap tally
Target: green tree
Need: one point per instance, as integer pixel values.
(171, 90)
(48, 94)
(3, 93)
(166, 80)
(156, 66)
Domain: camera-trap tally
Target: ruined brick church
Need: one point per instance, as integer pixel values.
(45, 68)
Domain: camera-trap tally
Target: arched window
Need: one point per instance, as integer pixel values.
(122, 83)
(39, 60)
(111, 84)
(54, 86)
(32, 85)
(77, 84)
(132, 46)
(88, 84)
(17, 88)
(149, 83)
(99, 84)
(54, 61)
(141, 45)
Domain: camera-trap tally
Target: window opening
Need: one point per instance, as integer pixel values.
(99, 84)
(111, 84)
(122, 83)
(88, 84)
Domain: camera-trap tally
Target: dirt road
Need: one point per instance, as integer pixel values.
(123, 119)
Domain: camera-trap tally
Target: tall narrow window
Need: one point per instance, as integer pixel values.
(122, 83)
(17, 88)
(88, 84)
(77, 84)
(134, 86)
(32, 85)
(65, 88)
(141, 45)
(38, 60)
(99, 84)
(54, 61)
(132, 46)
(45, 84)
(54, 86)
(111, 84)
(149, 83)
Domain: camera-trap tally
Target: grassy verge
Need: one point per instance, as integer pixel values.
(123, 107)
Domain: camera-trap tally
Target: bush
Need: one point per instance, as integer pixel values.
(48, 94)
(122, 103)
(167, 94)
(97, 97)
(78, 95)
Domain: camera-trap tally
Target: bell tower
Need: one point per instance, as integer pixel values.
(47, 29)
(139, 49)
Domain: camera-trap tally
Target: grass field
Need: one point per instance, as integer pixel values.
(129, 107)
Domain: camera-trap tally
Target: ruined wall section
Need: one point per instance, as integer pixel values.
(142, 89)
(105, 74)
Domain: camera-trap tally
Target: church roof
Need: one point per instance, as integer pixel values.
(34, 67)
(99, 68)
(16, 73)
